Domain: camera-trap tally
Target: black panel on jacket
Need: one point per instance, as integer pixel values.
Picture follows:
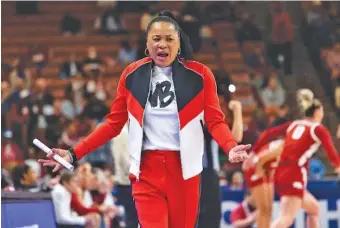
(187, 84)
(138, 83)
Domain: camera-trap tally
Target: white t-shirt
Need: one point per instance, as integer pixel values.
(161, 121)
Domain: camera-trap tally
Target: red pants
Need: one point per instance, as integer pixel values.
(163, 198)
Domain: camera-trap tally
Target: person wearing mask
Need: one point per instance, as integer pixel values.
(210, 202)
(166, 99)
(61, 196)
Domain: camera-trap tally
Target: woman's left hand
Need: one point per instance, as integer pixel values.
(239, 153)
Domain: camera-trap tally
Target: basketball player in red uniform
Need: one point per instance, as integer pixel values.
(258, 171)
(302, 139)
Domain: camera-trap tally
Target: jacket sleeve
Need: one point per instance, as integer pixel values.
(112, 126)
(213, 115)
(323, 134)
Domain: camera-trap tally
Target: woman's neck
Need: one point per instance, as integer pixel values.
(312, 119)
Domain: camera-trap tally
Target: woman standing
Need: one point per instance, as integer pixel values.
(166, 99)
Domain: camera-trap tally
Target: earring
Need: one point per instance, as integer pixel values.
(179, 52)
(146, 52)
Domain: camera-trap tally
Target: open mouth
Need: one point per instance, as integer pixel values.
(162, 54)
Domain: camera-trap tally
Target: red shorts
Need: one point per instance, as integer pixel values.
(252, 181)
(290, 180)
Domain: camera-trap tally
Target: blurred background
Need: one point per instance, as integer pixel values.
(61, 61)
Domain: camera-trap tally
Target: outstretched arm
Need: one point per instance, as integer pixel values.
(271, 134)
(213, 115)
(112, 126)
(333, 156)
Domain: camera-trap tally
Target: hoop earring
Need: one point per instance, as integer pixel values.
(179, 52)
(146, 52)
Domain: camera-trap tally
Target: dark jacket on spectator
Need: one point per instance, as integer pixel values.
(66, 70)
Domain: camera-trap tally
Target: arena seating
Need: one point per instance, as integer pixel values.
(21, 31)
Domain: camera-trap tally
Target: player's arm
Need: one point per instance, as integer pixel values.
(112, 126)
(269, 155)
(237, 127)
(323, 135)
(271, 134)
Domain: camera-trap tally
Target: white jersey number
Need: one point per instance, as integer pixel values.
(298, 131)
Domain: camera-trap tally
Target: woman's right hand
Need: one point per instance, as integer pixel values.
(50, 162)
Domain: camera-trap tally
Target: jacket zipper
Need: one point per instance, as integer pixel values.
(179, 125)
(146, 103)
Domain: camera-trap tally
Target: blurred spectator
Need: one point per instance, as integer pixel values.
(6, 181)
(248, 30)
(282, 115)
(11, 154)
(110, 23)
(191, 9)
(337, 93)
(40, 106)
(141, 45)
(76, 91)
(55, 124)
(236, 181)
(123, 184)
(147, 16)
(26, 7)
(219, 11)
(25, 178)
(206, 32)
(252, 58)
(71, 68)
(273, 95)
(338, 132)
(68, 108)
(191, 24)
(70, 137)
(102, 156)
(20, 76)
(39, 54)
(244, 215)
(333, 61)
(282, 32)
(61, 196)
(95, 108)
(106, 3)
(93, 65)
(127, 54)
(70, 25)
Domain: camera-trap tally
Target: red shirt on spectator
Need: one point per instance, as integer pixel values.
(78, 206)
(241, 212)
(282, 28)
(11, 154)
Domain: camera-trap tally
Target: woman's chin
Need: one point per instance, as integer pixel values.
(162, 61)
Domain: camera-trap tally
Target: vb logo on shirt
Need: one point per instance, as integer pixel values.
(162, 93)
